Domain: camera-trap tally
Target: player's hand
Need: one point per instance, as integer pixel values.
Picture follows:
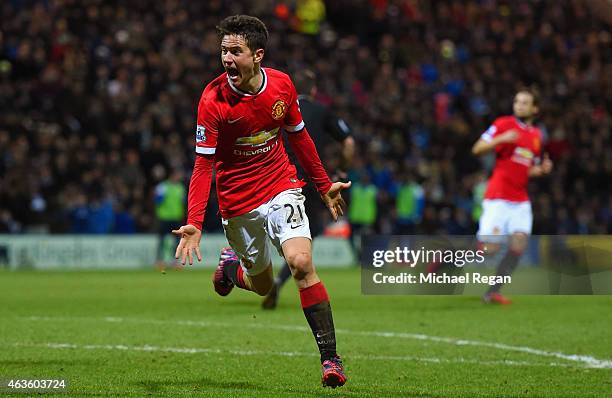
(333, 199)
(507, 137)
(190, 242)
(547, 165)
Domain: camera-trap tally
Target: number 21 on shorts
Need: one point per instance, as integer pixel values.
(295, 215)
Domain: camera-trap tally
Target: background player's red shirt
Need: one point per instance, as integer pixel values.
(243, 132)
(513, 160)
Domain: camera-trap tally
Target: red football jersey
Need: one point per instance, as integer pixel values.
(243, 131)
(513, 160)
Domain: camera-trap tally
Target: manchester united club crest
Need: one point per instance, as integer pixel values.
(278, 109)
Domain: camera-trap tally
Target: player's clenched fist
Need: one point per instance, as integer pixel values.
(547, 164)
(190, 242)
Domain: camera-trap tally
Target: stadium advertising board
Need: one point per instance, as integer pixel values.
(130, 252)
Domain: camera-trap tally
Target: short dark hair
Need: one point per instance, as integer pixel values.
(251, 28)
(533, 91)
(304, 81)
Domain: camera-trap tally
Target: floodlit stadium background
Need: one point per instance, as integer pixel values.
(98, 102)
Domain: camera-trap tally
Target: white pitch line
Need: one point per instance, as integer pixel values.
(199, 350)
(587, 360)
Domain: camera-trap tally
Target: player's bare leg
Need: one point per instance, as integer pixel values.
(298, 253)
(260, 283)
(230, 272)
(316, 307)
(516, 247)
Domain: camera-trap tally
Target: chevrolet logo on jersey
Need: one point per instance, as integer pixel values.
(258, 151)
(523, 156)
(259, 138)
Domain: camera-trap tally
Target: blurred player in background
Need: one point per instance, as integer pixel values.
(325, 128)
(240, 117)
(170, 198)
(506, 210)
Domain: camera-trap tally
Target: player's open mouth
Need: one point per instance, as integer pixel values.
(233, 73)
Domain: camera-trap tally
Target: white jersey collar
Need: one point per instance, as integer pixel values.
(522, 124)
(244, 93)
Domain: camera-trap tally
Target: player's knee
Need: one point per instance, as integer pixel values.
(518, 243)
(300, 264)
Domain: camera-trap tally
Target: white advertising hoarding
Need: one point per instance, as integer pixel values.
(131, 251)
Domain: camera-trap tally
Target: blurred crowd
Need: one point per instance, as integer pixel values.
(99, 98)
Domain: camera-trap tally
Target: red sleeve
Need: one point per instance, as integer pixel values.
(293, 118)
(495, 129)
(307, 155)
(499, 126)
(207, 129)
(199, 190)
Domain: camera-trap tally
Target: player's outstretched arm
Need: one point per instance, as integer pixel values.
(189, 243)
(199, 190)
(307, 155)
(333, 199)
(483, 146)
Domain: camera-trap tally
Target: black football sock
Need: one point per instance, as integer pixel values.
(233, 271)
(505, 268)
(317, 310)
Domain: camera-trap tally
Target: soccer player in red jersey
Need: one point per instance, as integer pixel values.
(506, 207)
(241, 116)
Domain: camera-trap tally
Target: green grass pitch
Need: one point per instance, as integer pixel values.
(141, 333)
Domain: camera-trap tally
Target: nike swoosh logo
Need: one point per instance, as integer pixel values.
(230, 121)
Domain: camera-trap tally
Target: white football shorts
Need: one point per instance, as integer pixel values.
(501, 218)
(281, 218)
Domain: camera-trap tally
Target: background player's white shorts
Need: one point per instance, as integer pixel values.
(281, 218)
(501, 218)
